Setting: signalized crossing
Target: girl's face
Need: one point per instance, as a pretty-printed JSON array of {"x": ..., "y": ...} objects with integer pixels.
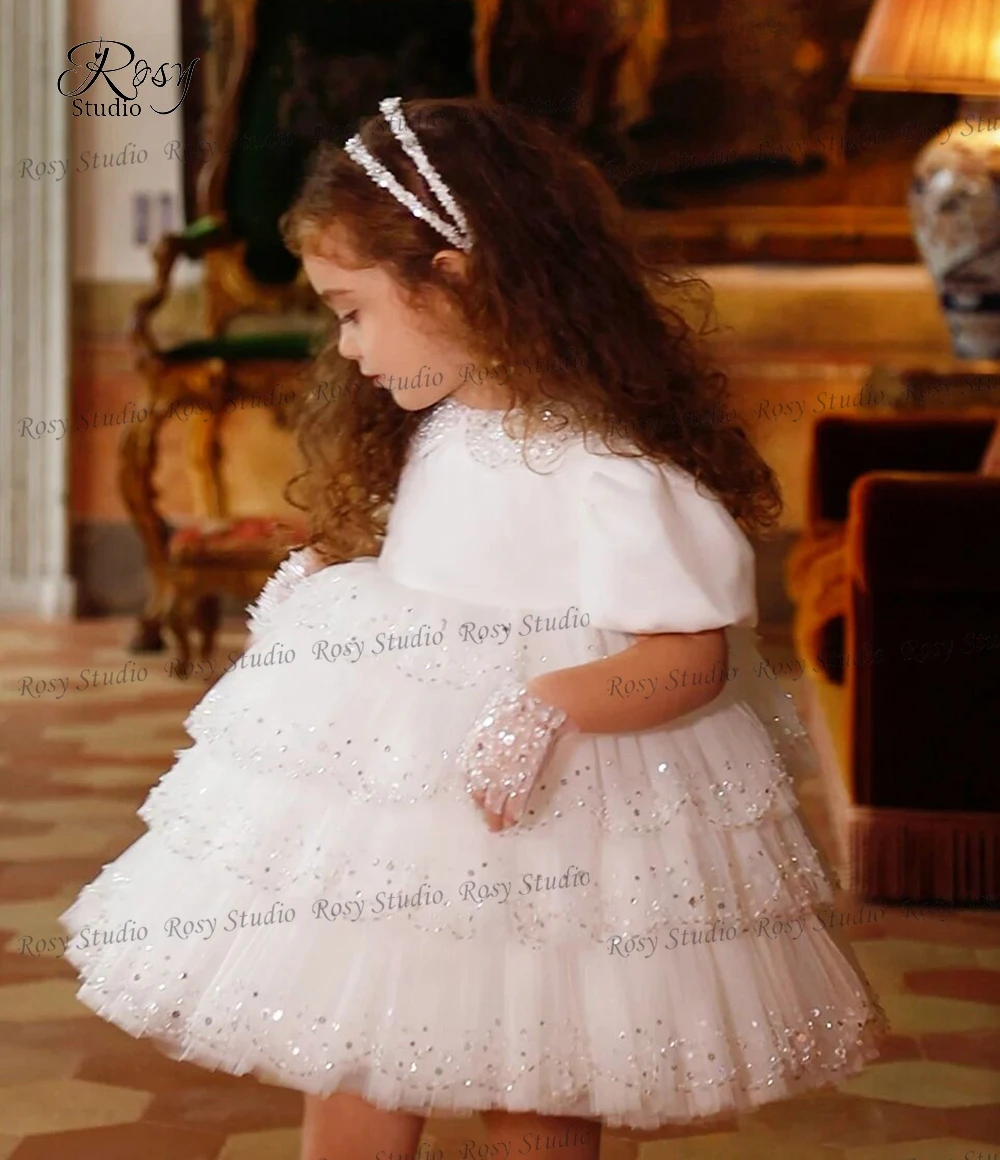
[{"x": 405, "y": 351}]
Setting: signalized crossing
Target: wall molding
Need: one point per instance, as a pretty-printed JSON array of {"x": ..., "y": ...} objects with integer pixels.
[{"x": 34, "y": 321}]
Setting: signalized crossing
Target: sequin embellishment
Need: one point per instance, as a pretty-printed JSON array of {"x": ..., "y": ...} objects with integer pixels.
[{"x": 487, "y": 440}]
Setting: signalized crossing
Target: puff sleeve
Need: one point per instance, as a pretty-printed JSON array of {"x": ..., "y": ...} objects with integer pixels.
[{"x": 659, "y": 555}]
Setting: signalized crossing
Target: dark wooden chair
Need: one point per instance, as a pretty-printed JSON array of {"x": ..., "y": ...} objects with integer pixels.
[{"x": 279, "y": 76}]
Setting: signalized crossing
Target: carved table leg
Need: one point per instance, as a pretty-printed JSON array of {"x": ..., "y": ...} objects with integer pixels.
[
  {"x": 147, "y": 637},
  {"x": 207, "y": 615},
  {"x": 136, "y": 466},
  {"x": 148, "y": 633},
  {"x": 179, "y": 618}
]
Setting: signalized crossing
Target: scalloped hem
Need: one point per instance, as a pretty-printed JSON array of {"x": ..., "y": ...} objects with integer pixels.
[{"x": 747, "y": 1099}]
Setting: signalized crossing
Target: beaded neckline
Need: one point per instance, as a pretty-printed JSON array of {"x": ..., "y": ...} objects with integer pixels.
[{"x": 486, "y": 438}]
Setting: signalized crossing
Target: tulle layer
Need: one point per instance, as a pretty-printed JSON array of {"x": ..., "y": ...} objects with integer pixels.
[
  {"x": 455, "y": 876},
  {"x": 351, "y": 646},
  {"x": 340, "y": 776},
  {"x": 633, "y": 1033},
  {"x": 318, "y": 901},
  {"x": 383, "y": 726}
]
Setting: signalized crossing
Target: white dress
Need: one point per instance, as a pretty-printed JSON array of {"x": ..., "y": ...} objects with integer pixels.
[{"x": 318, "y": 902}]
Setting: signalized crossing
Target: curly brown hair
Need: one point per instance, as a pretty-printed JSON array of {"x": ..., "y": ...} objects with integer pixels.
[{"x": 555, "y": 279}]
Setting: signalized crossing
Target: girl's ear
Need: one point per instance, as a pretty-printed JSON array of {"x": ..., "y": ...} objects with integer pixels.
[{"x": 452, "y": 263}]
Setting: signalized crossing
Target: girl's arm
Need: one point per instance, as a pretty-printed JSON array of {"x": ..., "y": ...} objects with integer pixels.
[
  {"x": 670, "y": 673},
  {"x": 643, "y": 686},
  {"x": 638, "y": 519}
]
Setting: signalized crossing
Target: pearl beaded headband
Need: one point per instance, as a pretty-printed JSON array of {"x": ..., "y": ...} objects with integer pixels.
[{"x": 393, "y": 113}]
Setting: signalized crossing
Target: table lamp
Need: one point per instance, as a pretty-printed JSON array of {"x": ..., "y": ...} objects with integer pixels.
[{"x": 949, "y": 46}]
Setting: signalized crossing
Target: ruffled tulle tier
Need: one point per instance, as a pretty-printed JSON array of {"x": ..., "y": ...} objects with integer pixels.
[
  {"x": 632, "y": 1032},
  {"x": 371, "y": 686},
  {"x": 468, "y": 882},
  {"x": 318, "y": 901}
]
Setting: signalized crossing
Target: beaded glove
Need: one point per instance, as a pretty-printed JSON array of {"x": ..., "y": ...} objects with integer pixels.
[
  {"x": 507, "y": 748},
  {"x": 291, "y": 572}
]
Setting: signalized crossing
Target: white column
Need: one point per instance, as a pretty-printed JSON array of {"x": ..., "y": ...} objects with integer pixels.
[{"x": 34, "y": 311}]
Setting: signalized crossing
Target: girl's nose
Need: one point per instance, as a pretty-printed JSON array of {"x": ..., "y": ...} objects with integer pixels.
[{"x": 348, "y": 347}]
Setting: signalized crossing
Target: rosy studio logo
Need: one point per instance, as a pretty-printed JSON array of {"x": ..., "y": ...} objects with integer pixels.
[{"x": 125, "y": 104}]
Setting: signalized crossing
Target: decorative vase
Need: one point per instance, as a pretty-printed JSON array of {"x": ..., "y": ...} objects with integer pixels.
[{"x": 954, "y": 202}]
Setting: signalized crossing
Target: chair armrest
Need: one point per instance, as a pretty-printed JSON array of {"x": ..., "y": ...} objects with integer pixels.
[
  {"x": 848, "y": 447},
  {"x": 194, "y": 241},
  {"x": 206, "y": 232},
  {"x": 922, "y": 532},
  {"x": 923, "y": 638}
]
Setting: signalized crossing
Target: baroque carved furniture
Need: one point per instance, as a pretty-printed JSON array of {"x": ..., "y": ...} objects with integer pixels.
[
  {"x": 279, "y": 75},
  {"x": 897, "y": 586},
  {"x": 191, "y": 565}
]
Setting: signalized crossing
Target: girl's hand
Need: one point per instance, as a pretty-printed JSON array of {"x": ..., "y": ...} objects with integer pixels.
[
  {"x": 309, "y": 560},
  {"x": 506, "y": 750},
  {"x": 292, "y": 571}
]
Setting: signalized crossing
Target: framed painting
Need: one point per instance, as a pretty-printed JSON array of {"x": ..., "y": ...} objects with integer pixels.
[{"x": 727, "y": 126}]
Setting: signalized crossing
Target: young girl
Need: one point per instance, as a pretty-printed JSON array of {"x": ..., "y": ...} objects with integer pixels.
[{"x": 495, "y": 814}]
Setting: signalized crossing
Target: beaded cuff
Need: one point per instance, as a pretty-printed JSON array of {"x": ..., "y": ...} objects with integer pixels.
[
  {"x": 291, "y": 572},
  {"x": 507, "y": 747}
]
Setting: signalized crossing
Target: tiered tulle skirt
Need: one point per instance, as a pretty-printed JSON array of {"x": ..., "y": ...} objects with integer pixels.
[{"x": 317, "y": 901}]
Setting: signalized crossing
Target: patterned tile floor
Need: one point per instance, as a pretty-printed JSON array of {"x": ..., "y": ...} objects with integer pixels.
[{"x": 76, "y": 761}]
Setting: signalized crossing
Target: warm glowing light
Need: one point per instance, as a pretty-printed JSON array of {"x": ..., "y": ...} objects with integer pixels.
[{"x": 930, "y": 46}]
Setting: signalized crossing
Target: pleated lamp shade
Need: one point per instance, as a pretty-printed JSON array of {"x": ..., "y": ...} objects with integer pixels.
[{"x": 930, "y": 46}]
